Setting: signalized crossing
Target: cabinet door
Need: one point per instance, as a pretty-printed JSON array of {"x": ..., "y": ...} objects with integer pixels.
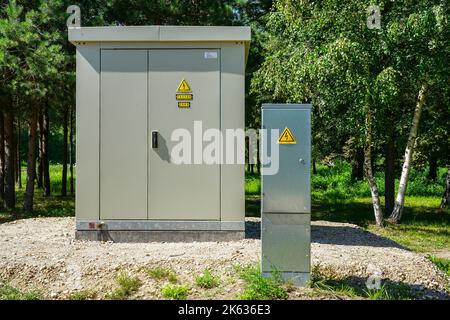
[
  {"x": 183, "y": 191},
  {"x": 288, "y": 190},
  {"x": 123, "y": 134}
]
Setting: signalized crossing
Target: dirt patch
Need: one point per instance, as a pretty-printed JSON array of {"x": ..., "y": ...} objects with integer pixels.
[{"x": 42, "y": 254}]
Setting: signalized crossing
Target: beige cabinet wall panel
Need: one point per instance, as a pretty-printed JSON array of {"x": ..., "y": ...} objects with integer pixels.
[
  {"x": 232, "y": 117},
  {"x": 87, "y": 129}
]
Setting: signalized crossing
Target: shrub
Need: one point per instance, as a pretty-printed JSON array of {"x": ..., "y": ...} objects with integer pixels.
[
  {"x": 175, "y": 292},
  {"x": 207, "y": 280}
]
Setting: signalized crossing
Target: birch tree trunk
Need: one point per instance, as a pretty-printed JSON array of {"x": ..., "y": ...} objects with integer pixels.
[
  {"x": 396, "y": 214},
  {"x": 369, "y": 172}
]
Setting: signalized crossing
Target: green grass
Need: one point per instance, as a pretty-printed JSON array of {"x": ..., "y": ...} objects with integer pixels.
[
  {"x": 324, "y": 281},
  {"x": 175, "y": 291},
  {"x": 82, "y": 295},
  {"x": 7, "y": 292},
  {"x": 53, "y": 206},
  {"x": 258, "y": 287},
  {"x": 252, "y": 184},
  {"x": 207, "y": 280},
  {"x": 423, "y": 228},
  {"x": 391, "y": 291},
  {"x": 160, "y": 273},
  {"x": 441, "y": 263},
  {"x": 127, "y": 286}
]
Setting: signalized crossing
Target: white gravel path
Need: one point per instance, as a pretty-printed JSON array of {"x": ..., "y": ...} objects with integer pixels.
[{"x": 42, "y": 253}]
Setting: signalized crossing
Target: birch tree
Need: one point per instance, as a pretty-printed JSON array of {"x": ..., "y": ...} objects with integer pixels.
[
  {"x": 425, "y": 60},
  {"x": 324, "y": 52}
]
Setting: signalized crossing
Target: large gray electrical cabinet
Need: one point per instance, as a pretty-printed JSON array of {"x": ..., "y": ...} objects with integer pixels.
[
  {"x": 286, "y": 201},
  {"x": 135, "y": 87}
]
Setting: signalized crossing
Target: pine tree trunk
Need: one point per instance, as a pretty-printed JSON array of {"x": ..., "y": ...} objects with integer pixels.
[
  {"x": 389, "y": 175},
  {"x": 15, "y": 154},
  {"x": 446, "y": 196},
  {"x": 71, "y": 153},
  {"x": 2, "y": 159},
  {"x": 64, "y": 169},
  {"x": 369, "y": 172},
  {"x": 45, "y": 155},
  {"x": 31, "y": 162},
  {"x": 19, "y": 158},
  {"x": 396, "y": 214},
  {"x": 10, "y": 192},
  {"x": 40, "y": 171}
]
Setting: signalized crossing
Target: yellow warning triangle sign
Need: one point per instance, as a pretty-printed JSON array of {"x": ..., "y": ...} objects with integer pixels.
[
  {"x": 184, "y": 87},
  {"x": 286, "y": 137}
]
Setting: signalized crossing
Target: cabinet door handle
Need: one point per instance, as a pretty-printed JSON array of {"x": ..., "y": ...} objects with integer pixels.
[{"x": 154, "y": 139}]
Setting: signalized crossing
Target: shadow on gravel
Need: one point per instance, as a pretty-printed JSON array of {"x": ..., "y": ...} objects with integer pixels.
[
  {"x": 344, "y": 235},
  {"x": 252, "y": 230},
  {"x": 341, "y": 235}
]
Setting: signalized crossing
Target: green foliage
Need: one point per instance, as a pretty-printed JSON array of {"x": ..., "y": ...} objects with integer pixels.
[
  {"x": 441, "y": 263},
  {"x": 82, "y": 295},
  {"x": 175, "y": 291},
  {"x": 31, "y": 53},
  {"x": 207, "y": 280},
  {"x": 7, "y": 292},
  {"x": 127, "y": 286},
  {"x": 159, "y": 273},
  {"x": 258, "y": 287}
]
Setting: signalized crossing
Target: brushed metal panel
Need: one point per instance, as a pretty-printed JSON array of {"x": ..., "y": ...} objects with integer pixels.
[
  {"x": 289, "y": 189},
  {"x": 285, "y": 242},
  {"x": 185, "y": 191},
  {"x": 123, "y": 132}
]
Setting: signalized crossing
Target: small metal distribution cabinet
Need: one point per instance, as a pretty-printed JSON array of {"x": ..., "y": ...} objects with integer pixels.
[
  {"x": 135, "y": 87},
  {"x": 286, "y": 200}
]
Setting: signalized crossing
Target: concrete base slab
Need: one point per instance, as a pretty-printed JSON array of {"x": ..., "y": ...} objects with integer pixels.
[
  {"x": 298, "y": 279},
  {"x": 159, "y": 236}
]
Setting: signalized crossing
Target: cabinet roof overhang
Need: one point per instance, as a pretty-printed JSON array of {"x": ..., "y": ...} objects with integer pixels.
[
  {"x": 159, "y": 34},
  {"x": 141, "y": 34}
]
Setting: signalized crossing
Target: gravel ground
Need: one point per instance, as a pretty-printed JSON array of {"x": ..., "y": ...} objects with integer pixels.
[{"x": 42, "y": 254}]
